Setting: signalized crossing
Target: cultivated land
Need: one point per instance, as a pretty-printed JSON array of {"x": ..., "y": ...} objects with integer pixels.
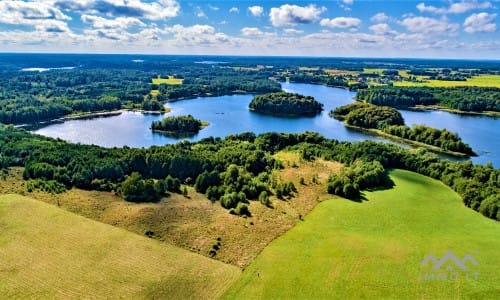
[
  {"x": 170, "y": 80},
  {"x": 374, "y": 249},
  {"x": 49, "y": 253},
  {"x": 480, "y": 81}
]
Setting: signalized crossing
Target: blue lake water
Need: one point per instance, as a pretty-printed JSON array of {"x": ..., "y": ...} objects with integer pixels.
[{"x": 230, "y": 115}]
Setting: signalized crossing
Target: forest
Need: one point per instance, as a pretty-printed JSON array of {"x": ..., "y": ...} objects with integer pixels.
[
  {"x": 285, "y": 104},
  {"x": 233, "y": 170},
  {"x": 390, "y": 121},
  {"x": 178, "y": 125},
  {"x": 473, "y": 99}
]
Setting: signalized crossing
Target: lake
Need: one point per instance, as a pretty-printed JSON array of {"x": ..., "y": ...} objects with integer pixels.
[{"x": 230, "y": 115}]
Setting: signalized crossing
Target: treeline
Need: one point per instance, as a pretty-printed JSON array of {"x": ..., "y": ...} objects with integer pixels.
[
  {"x": 390, "y": 121},
  {"x": 28, "y": 97},
  {"x": 476, "y": 99},
  {"x": 286, "y": 104},
  {"x": 177, "y": 125},
  {"x": 235, "y": 169},
  {"x": 368, "y": 116}
]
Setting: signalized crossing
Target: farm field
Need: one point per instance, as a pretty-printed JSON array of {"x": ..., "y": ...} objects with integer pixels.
[
  {"x": 170, "y": 80},
  {"x": 479, "y": 81},
  {"x": 375, "y": 249},
  {"x": 49, "y": 253}
]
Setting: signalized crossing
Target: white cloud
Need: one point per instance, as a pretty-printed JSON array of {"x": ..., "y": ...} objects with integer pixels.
[
  {"x": 382, "y": 29},
  {"x": 118, "y": 23},
  {"x": 348, "y": 2},
  {"x": 197, "y": 35},
  {"x": 341, "y": 22},
  {"x": 430, "y": 26},
  {"x": 41, "y": 15},
  {"x": 199, "y": 12},
  {"x": 379, "y": 18},
  {"x": 256, "y": 10},
  {"x": 481, "y": 22},
  {"x": 156, "y": 10},
  {"x": 213, "y": 7},
  {"x": 293, "y": 14},
  {"x": 254, "y": 31},
  {"x": 454, "y": 8},
  {"x": 292, "y": 31},
  {"x": 234, "y": 10}
]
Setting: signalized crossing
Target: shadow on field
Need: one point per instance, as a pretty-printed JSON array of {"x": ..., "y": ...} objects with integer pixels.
[{"x": 388, "y": 184}]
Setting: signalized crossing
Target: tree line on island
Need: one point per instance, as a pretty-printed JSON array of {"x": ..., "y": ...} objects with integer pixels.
[
  {"x": 390, "y": 121},
  {"x": 233, "y": 170},
  {"x": 178, "y": 125},
  {"x": 285, "y": 104}
]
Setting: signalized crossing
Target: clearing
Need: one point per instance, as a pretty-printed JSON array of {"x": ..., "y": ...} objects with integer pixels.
[
  {"x": 375, "y": 249},
  {"x": 479, "y": 81},
  {"x": 170, "y": 80},
  {"x": 195, "y": 223},
  {"x": 49, "y": 253}
]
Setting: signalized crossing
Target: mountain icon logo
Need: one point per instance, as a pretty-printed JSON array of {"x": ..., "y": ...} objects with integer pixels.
[{"x": 449, "y": 257}]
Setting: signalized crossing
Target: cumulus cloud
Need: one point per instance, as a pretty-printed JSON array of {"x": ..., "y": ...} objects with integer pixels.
[
  {"x": 292, "y": 14},
  {"x": 256, "y": 10},
  {"x": 348, "y": 2},
  {"x": 379, "y": 18},
  {"x": 454, "y": 8},
  {"x": 291, "y": 31},
  {"x": 341, "y": 22},
  {"x": 40, "y": 15},
  {"x": 481, "y": 22},
  {"x": 197, "y": 35},
  {"x": 234, "y": 10},
  {"x": 118, "y": 23},
  {"x": 430, "y": 26},
  {"x": 254, "y": 31},
  {"x": 382, "y": 29},
  {"x": 157, "y": 10}
]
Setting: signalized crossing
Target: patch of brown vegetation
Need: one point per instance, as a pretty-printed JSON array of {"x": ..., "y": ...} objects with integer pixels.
[{"x": 194, "y": 222}]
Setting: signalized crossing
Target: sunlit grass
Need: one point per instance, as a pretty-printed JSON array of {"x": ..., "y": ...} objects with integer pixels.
[
  {"x": 374, "y": 249},
  {"x": 170, "y": 80}
]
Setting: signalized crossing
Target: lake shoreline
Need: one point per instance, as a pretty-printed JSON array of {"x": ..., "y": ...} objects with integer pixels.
[
  {"x": 431, "y": 148},
  {"x": 493, "y": 114}
]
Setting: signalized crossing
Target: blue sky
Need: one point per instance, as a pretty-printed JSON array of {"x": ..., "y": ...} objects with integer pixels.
[{"x": 347, "y": 28}]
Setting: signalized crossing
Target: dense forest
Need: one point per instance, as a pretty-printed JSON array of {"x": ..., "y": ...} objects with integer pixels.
[
  {"x": 474, "y": 99},
  {"x": 390, "y": 121},
  {"x": 285, "y": 104},
  {"x": 233, "y": 170},
  {"x": 178, "y": 125},
  {"x": 30, "y": 96}
]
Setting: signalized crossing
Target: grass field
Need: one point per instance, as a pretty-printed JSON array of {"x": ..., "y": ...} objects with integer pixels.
[
  {"x": 375, "y": 249},
  {"x": 480, "y": 81},
  {"x": 170, "y": 80},
  {"x": 48, "y": 253}
]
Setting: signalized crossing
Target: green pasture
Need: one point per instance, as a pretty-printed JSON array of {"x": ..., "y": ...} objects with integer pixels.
[{"x": 375, "y": 249}]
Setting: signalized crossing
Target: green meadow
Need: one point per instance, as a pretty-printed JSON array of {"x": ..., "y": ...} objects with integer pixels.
[
  {"x": 375, "y": 249},
  {"x": 49, "y": 253}
]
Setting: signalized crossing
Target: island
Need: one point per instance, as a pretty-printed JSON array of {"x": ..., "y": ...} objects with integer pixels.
[
  {"x": 285, "y": 104},
  {"x": 388, "y": 122},
  {"x": 178, "y": 126}
]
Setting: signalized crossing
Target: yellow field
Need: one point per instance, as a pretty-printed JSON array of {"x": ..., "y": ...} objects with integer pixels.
[
  {"x": 480, "y": 81},
  {"x": 334, "y": 72},
  {"x": 170, "y": 80},
  {"x": 155, "y": 92},
  {"x": 373, "y": 71},
  {"x": 49, "y": 253}
]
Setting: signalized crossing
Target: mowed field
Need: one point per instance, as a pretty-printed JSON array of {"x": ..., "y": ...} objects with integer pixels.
[
  {"x": 170, "y": 80},
  {"x": 375, "y": 249},
  {"x": 479, "y": 81},
  {"x": 49, "y": 253}
]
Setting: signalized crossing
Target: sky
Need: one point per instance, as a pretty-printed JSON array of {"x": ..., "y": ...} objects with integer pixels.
[{"x": 335, "y": 28}]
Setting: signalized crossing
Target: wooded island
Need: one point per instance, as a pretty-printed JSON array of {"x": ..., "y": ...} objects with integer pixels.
[{"x": 286, "y": 104}]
